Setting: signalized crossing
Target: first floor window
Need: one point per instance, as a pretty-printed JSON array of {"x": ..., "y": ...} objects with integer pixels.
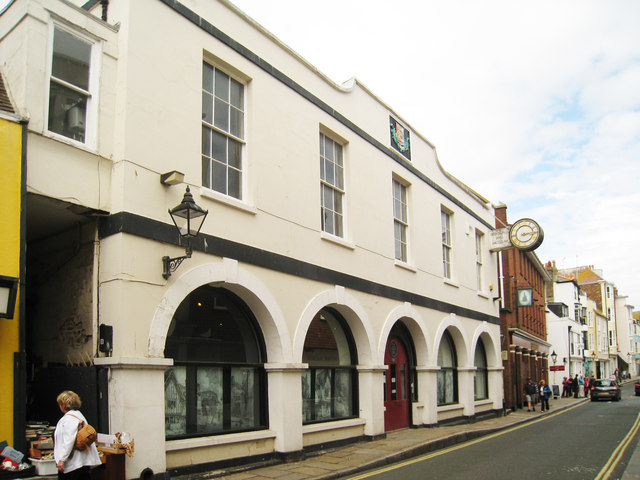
[
  {"x": 70, "y": 85},
  {"x": 480, "y": 380},
  {"x": 479, "y": 261},
  {"x": 445, "y": 220},
  {"x": 223, "y": 117},
  {"x": 448, "y": 373},
  {"x": 331, "y": 186},
  {"x": 218, "y": 381},
  {"x": 400, "y": 220},
  {"x": 329, "y": 385}
]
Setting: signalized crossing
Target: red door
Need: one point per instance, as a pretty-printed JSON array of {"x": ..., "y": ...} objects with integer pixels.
[{"x": 396, "y": 388}]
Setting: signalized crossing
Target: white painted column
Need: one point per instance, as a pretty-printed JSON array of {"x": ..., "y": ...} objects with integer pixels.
[
  {"x": 465, "y": 390},
  {"x": 496, "y": 388},
  {"x": 371, "y": 399},
  {"x": 285, "y": 404},
  {"x": 428, "y": 393},
  {"x": 136, "y": 406}
]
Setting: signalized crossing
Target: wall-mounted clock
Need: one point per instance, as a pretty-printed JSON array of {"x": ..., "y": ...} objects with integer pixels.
[{"x": 526, "y": 235}]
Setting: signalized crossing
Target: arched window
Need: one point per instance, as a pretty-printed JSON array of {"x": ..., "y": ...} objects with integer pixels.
[
  {"x": 448, "y": 373},
  {"x": 329, "y": 385},
  {"x": 217, "y": 383},
  {"x": 480, "y": 381}
]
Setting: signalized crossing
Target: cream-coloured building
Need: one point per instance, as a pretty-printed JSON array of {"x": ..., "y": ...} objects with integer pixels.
[{"x": 341, "y": 285}]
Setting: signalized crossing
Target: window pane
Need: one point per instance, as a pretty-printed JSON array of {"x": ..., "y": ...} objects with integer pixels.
[
  {"x": 343, "y": 393},
  {"x": 328, "y": 148},
  {"x": 237, "y": 94},
  {"x": 206, "y": 141},
  {"x": 235, "y": 154},
  {"x": 209, "y": 399},
  {"x": 237, "y": 123},
  {"x": 245, "y": 409},
  {"x": 222, "y": 86},
  {"x": 221, "y": 115},
  {"x": 207, "y": 77},
  {"x": 339, "y": 178},
  {"x": 175, "y": 405},
  {"x": 329, "y": 172},
  {"x": 327, "y": 221},
  {"x": 307, "y": 399},
  {"x": 219, "y": 147},
  {"x": 338, "y": 225},
  {"x": 328, "y": 197},
  {"x": 206, "y": 172},
  {"x": 207, "y": 107},
  {"x": 71, "y": 59},
  {"x": 219, "y": 177},
  {"x": 235, "y": 183},
  {"x": 323, "y": 394},
  {"x": 67, "y": 112}
]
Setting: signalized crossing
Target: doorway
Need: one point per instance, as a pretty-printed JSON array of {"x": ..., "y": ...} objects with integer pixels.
[{"x": 397, "y": 395}]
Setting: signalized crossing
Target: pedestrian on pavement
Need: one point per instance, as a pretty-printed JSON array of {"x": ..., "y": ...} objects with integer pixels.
[
  {"x": 581, "y": 385},
  {"x": 586, "y": 386},
  {"x": 574, "y": 386},
  {"x": 545, "y": 393},
  {"x": 530, "y": 392},
  {"x": 72, "y": 464},
  {"x": 565, "y": 387}
]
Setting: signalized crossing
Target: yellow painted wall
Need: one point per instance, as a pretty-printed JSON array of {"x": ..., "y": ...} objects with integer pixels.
[{"x": 10, "y": 185}]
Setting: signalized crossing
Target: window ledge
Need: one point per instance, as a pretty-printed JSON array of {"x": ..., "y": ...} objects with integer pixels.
[
  {"x": 70, "y": 141},
  {"x": 483, "y": 295},
  {"x": 448, "y": 281},
  {"x": 226, "y": 200},
  {"x": 321, "y": 427},
  {"x": 406, "y": 266},
  {"x": 450, "y": 408},
  {"x": 483, "y": 401},
  {"x": 212, "y": 441},
  {"x": 337, "y": 240}
]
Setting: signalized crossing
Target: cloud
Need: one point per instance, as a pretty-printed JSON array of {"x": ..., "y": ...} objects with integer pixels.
[{"x": 533, "y": 104}]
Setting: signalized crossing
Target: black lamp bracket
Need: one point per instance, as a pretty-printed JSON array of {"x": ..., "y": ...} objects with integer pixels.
[{"x": 170, "y": 265}]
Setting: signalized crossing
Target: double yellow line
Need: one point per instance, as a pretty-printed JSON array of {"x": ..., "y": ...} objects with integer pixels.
[
  {"x": 615, "y": 457},
  {"x": 603, "y": 475}
]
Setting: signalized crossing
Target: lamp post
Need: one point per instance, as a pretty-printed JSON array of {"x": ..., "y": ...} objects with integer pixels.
[
  {"x": 554, "y": 357},
  {"x": 188, "y": 218}
]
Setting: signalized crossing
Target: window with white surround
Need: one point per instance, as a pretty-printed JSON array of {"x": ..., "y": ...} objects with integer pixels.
[
  {"x": 223, "y": 117},
  {"x": 447, "y": 246},
  {"x": 72, "y": 86},
  {"x": 400, "y": 220},
  {"x": 331, "y": 186},
  {"x": 479, "y": 260}
]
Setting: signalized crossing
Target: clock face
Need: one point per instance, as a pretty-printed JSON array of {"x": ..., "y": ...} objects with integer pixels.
[{"x": 526, "y": 234}]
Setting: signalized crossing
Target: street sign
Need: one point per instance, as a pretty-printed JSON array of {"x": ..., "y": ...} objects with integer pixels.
[{"x": 556, "y": 368}]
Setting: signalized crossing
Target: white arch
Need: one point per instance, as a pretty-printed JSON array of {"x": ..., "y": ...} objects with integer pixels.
[
  {"x": 249, "y": 288},
  {"x": 416, "y": 326},
  {"x": 491, "y": 344},
  {"x": 457, "y": 331},
  {"x": 353, "y": 313}
]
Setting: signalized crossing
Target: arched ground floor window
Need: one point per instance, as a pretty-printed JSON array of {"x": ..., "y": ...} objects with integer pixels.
[
  {"x": 329, "y": 385},
  {"x": 218, "y": 382},
  {"x": 448, "y": 373},
  {"x": 480, "y": 379}
]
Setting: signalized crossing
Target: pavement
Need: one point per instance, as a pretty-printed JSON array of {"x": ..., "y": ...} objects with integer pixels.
[{"x": 398, "y": 445}]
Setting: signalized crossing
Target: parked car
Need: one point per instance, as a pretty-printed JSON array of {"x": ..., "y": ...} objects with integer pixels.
[
  {"x": 605, "y": 388},
  {"x": 638, "y": 388}
]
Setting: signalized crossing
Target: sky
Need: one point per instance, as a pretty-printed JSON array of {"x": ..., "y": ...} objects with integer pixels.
[{"x": 532, "y": 104}]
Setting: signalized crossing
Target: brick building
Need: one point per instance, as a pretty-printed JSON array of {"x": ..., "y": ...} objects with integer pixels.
[{"x": 525, "y": 349}]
